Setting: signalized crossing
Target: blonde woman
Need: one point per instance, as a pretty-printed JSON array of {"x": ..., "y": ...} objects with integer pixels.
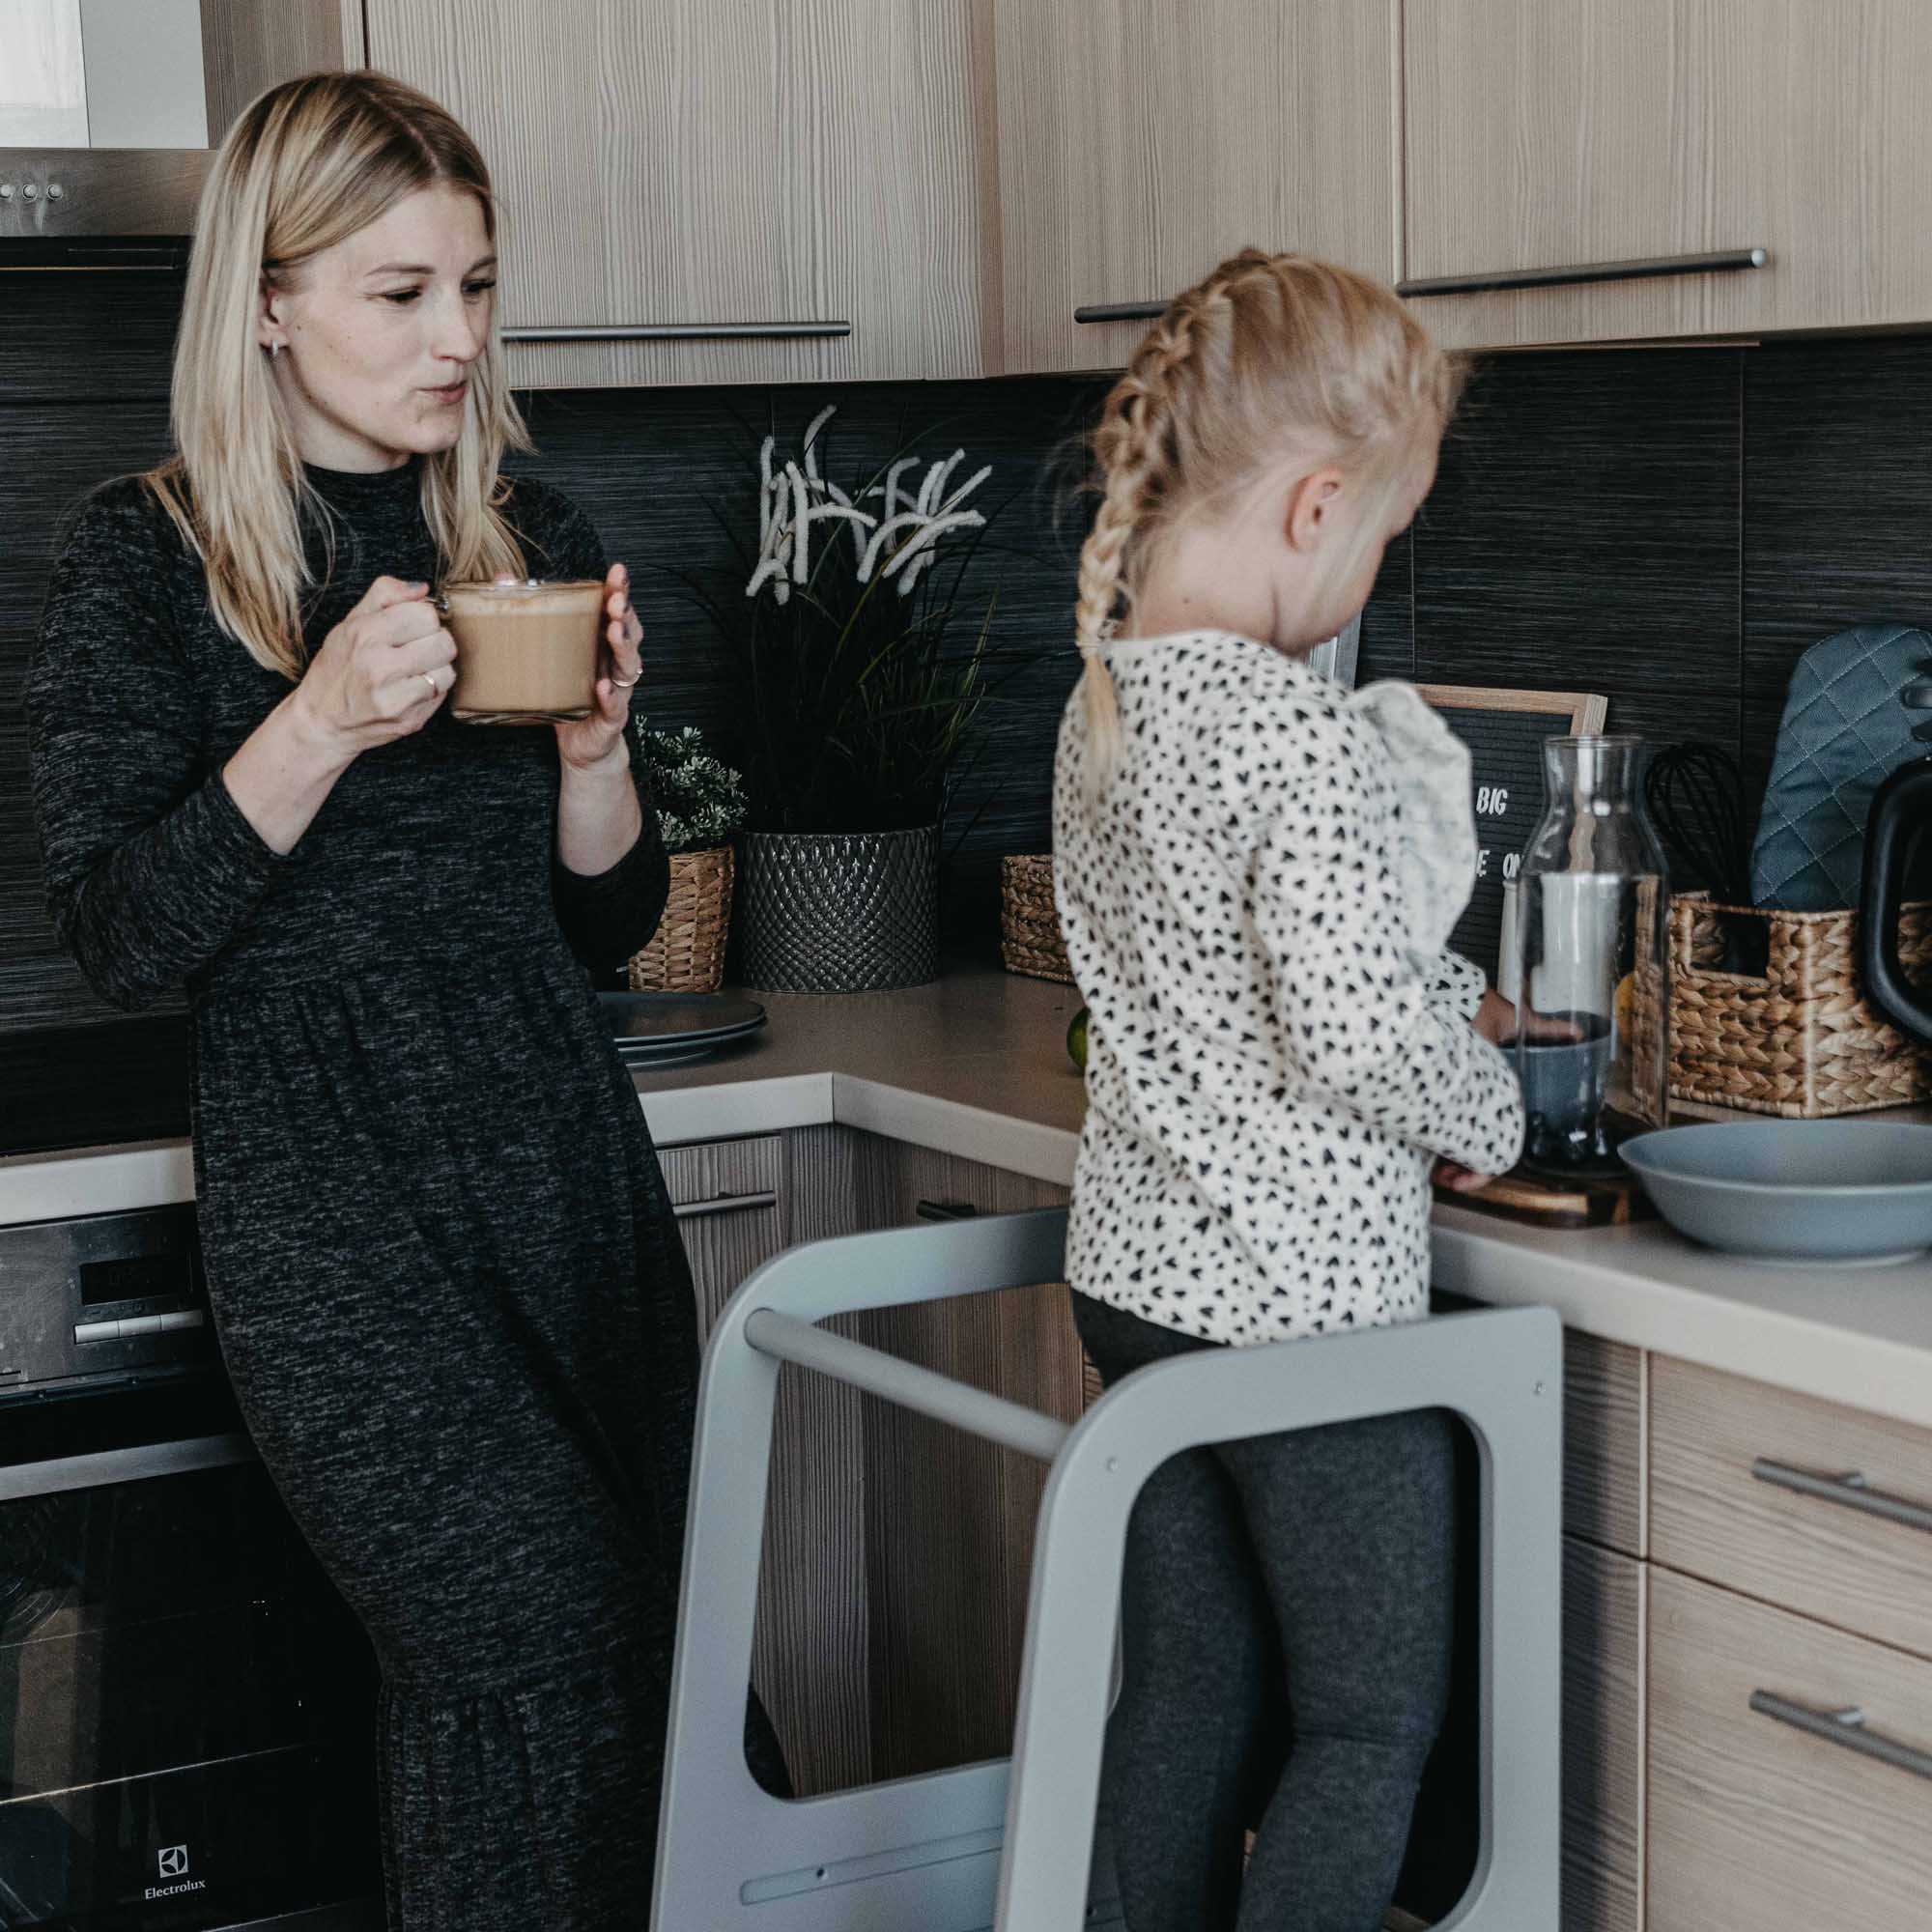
[
  {"x": 443, "y": 1267},
  {"x": 1258, "y": 872}
]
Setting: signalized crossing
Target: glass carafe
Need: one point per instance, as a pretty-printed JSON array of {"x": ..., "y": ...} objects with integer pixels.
[{"x": 1592, "y": 936}]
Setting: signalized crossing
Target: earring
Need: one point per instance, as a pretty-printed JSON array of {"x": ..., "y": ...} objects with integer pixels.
[{"x": 274, "y": 350}]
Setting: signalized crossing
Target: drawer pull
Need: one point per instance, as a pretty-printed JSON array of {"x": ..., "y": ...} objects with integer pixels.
[
  {"x": 725, "y": 1204},
  {"x": 673, "y": 331},
  {"x": 1122, "y": 312},
  {"x": 1642, "y": 268},
  {"x": 1849, "y": 1489},
  {"x": 1846, "y": 1729},
  {"x": 945, "y": 1210}
]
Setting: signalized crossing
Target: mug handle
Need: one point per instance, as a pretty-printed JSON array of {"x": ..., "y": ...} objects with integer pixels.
[{"x": 1902, "y": 813}]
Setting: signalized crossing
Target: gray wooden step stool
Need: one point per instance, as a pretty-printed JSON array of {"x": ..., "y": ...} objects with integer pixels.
[{"x": 1010, "y": 1846}]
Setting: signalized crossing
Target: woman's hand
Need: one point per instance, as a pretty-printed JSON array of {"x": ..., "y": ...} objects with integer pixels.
[
  {"x": 380, "y": 673},
  {"x": 585, "y": 743}
]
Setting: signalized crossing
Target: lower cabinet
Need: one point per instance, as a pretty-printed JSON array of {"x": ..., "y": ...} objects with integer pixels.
[{"x": 1604, "y": 1616}]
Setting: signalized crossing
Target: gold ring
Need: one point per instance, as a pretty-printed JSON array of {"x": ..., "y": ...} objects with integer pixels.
[
  {"x": 435, "y": 688},
  {"x": 624, "y": 683}
]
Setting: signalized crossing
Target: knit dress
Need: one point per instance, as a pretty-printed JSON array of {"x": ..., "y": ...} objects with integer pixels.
[{"x": 441, "y": 1263}]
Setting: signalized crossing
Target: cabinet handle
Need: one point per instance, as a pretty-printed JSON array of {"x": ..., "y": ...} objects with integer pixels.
[
  {"x": 124, "y": 1466},
  {"x": 945, "y": 1210},
  {"x": 1845, "y": 1728},
  {"x": 673, "y": 331},
  {"x": 1849, "y": 1489},
  {"x": 1120, "y": 312},
  {"x": 1643, "y": 268},
  {"x": 725, "y": 1204}
]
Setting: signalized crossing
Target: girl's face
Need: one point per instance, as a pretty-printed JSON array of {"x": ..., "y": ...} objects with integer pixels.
[{"x": 379, "y": 334}]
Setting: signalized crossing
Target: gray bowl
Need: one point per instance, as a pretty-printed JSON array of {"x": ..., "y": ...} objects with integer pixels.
[{"x": 1822, "y": 1193}]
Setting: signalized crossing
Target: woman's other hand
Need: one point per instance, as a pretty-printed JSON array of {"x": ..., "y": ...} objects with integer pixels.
[
  {"x": 381, "y": 672},
  {"x": 585, "y": 743}
]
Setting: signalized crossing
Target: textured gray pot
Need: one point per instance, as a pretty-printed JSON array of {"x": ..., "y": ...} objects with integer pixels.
[{"x": 838, "y": 912}]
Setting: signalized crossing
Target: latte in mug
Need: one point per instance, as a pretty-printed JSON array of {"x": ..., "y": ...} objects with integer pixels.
[{"x": 527, "y": 653}]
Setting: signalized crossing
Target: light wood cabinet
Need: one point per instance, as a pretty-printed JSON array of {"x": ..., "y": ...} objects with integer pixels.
[
  {"x": 1140, "y": 142},
  {"x": 1557, "y": 133},
  {"x": 692, "y": 163},
  {"x": 1604, "y": 1607},
  {"x": 1603, "y": 1487},
  {"x": 1757, "y": 1823}
]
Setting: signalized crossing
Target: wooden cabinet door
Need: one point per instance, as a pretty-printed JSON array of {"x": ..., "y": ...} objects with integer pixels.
[
  {"x": 1141, "y": 141},
  {"x": 704, "y": 162},
  {"x": 1604, "y": 1616},
  {"x": 1558, "y": 135}
]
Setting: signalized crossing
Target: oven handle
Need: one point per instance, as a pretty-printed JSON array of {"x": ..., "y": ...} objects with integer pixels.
[{"x": 123, "y": 1465}]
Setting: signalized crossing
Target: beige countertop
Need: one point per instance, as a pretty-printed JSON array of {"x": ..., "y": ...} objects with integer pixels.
[{"x": 975, "y": 1065}]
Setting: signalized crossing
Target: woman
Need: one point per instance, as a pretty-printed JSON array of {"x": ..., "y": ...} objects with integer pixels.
[{"x": 442, "y": 1261}]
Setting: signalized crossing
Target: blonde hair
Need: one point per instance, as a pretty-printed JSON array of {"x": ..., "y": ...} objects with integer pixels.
[
  {"x": 306, "y": 165},
  {"x": 1271, "y": 356}
]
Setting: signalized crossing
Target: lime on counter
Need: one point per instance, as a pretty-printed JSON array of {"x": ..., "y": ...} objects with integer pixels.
[{"x": 1076, "y": 1041}]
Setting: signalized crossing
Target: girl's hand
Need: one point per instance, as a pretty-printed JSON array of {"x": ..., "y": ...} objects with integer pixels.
[
  {"x": 1459, "y": 1179},
  {"x": 1495, "y": 1018},
  {"x": 380, "y": 673},
  {"x": 586, "y": 742}
]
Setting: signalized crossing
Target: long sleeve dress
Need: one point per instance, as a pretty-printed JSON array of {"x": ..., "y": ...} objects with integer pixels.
[{"x": 443, "y": 1271}]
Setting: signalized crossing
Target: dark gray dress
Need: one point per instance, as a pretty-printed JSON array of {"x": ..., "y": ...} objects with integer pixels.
[{"x": 443, "y": 1271}]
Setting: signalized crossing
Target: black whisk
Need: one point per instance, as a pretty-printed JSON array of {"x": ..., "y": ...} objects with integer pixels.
[{"x": 1696, "y": 795}]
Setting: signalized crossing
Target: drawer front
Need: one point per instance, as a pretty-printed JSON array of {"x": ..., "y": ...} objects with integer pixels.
[
  {"x": 704, "y": 1173},
  {"x": 1602, "y": 1442},
  {"x": 1604, "y": 1610},
  {"x": 1756, "y": 1823},
  {"x": 1724, "y": 1453}
]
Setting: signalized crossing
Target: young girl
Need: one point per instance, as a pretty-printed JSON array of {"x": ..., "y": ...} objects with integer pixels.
[{"x": 1258, "y": 872}]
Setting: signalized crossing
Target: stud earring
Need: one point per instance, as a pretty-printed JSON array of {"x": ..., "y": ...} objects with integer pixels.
[{"x": 274, "y": 350}]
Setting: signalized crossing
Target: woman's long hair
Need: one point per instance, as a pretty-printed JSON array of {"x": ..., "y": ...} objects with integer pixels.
[{"x": 306, "y": 165}]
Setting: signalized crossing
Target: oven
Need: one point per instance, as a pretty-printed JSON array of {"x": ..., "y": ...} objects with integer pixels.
[{"x": 187, "y": 1708}]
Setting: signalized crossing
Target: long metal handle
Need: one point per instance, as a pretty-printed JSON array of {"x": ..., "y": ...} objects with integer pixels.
[
  {"x": 905, "y": 1384},
  {"x": 1848, "y": 1490},
  {"x": 1846, "y": 1729},
  {"x": 123, "y": 1465},
  {"x": 1643, "y": 268},
  {"x": 676, "y": 331},
  {"x": 724, "y": 1204},
  {"x": 945, "y": 1210},
  {"x": 1121, "y": 311}
]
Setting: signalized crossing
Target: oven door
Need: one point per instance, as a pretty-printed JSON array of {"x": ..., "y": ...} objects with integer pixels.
[{"x": 186, "y": 1706}]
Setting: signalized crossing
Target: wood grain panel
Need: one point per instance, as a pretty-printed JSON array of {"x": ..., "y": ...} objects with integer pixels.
[
  {"x": 1710, "y": 1518},
  {"x": 1604, "y": 1640},
  {"x": 1121, "y": 179},
  {"x": 950, "y": 1517},
  {"x": 1602, "y": 1442},
  {"x": 809, "y": 1642},
  {"x": 1755, "y": 1825},
  {"x": 246, "y": 46},
  {"x": 687, "y": 162}
]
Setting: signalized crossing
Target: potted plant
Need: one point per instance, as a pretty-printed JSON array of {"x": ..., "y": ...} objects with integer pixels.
[
  {"x": 701, "y": 803},
  {"x": 857, "y": 691}
]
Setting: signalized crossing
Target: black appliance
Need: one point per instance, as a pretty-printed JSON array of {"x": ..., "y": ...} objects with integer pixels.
[{"x": 187, "y": 1708}]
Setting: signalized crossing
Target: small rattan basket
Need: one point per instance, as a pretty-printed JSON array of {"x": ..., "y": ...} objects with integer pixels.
[
  {"x": 1799, "y": 1041},
  {"x": 1030, "y": 940},
  {"x": 687, "y": 952}
]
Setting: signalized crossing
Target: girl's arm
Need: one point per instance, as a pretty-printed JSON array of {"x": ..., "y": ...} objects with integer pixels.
[{"x": 1359, "y": 1021}]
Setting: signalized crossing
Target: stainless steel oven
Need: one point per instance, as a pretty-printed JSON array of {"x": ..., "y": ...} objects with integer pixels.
[{"x": 186, "y": 1706}]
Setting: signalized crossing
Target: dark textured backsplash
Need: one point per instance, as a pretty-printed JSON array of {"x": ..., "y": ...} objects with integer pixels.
[{"x": 1672, "y": 528}]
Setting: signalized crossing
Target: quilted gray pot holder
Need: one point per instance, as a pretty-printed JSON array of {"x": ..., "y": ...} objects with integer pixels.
[{"x": 1855, "y": 701}]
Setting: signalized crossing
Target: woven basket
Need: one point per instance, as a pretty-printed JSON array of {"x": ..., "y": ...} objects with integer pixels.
[
  {"x": 1800, "y": 1041},
  {"x": 687, "y": 952},
  {"x": 1030, "y": 940}
]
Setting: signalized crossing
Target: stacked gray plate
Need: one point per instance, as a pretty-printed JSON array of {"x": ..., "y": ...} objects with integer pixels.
[
  {"x": 655, "y": 1030},
  {"x": 1817, "y": 1193}
]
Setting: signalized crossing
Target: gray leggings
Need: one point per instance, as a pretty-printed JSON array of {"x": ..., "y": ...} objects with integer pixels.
[{"x": 1288, "y": 1623}]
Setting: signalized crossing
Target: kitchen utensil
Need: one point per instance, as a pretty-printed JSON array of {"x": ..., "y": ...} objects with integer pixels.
[
  {"x": 1695, "y": 792},
  {"x": 1901, "y": 815},
  {"x": 1857, "y": 711},
  {"x": 1592, "y": 941},
  {"x": 1824, "y": 1193}
]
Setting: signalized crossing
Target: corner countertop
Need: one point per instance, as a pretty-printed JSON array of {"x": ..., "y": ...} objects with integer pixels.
[{"x": 975, "y": 1065}]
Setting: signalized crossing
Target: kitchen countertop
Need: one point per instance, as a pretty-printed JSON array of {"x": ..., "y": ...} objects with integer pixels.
[{"x": 974, "y": 1065}]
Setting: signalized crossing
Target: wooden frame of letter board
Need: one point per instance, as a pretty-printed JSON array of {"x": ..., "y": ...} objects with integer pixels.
[{"x": 1509, "y": 726}]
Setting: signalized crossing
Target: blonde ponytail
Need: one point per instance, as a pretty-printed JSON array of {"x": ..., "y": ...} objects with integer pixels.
[{"x": 1270, "y": 357}]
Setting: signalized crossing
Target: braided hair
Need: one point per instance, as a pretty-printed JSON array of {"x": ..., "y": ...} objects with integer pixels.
[{"x": 1271, "y": 356}]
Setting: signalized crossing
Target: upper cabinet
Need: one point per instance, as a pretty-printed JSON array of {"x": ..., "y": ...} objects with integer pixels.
[
  {"x": 1574, "y": 136},
  {"x": 701, "y": 192},
  {"x": 1139, "y": 142}
]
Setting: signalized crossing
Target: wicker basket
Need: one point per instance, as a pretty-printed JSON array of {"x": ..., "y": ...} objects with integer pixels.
[
  {"x": 1030, "y": 940},
  {"x": 687, "y": 952},
  {"x": 1800, "y": 1041}
]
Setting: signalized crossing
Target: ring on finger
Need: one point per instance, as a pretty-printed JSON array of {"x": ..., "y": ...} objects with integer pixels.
[
  {"x": 625, "y": 683},
  {"x": 435, "y": 688}
]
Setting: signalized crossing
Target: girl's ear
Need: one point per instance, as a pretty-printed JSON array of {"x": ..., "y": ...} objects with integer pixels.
[{"x": 1312, "y": 508}]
